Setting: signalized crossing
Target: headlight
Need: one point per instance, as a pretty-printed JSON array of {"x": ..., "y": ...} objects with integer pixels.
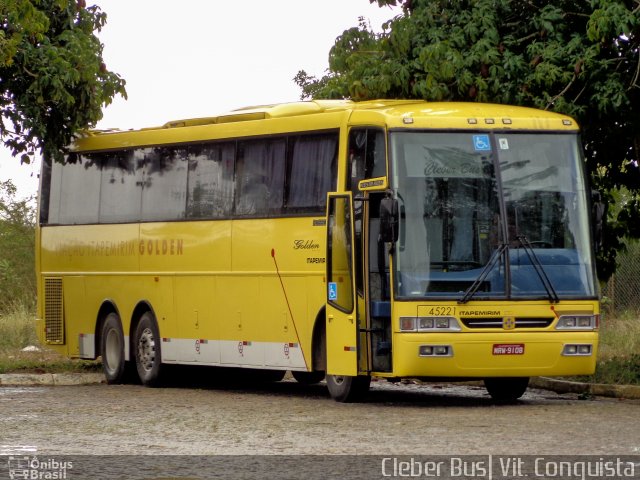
[
  {"x": 429, "y": 324},
  {"x": 425, "y": 323},
  {"x": 577, "y": 322}
]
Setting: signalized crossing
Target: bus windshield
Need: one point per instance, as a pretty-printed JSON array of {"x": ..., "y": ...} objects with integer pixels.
[{"x": 491, "y": 215}]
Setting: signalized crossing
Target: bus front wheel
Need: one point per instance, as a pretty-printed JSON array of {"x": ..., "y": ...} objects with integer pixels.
[
  {"x": 506, "y": 390},
  {"x": 147, "y": 350},
  {"x": 112, "y": 349},
  {"x": 347, "y": 389}
]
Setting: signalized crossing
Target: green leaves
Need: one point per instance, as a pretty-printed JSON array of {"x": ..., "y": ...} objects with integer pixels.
[
  {"x": 580, "y": 57},
  {"x": 611, "y": 19},
  {"x": 53, "y": 82}
]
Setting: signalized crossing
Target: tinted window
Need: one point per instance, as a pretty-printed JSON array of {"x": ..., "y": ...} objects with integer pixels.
[
  {"x": 79, "y": 190},
  {"x": 367, "y": 155},
  {"x": 312, "y": 172},
  {"x": 55, "y": 180},
  {"x": 272, "y": 176},
  {"x": 260, "y": 177},
  {"x": 164, "y": 193},
  {"x": 121, "y": 186},
  {"x": 45, "y": 190},
  {"x": 210, "y": 184}
]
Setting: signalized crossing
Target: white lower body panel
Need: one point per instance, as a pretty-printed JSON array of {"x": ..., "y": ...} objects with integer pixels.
[{"x": 233, "y": 353}]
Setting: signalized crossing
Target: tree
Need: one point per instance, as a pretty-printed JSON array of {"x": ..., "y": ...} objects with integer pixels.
[
  {"x": 578, "y": 57},
  {"x": 17, "y": 230},
  {"x": 53, "y": 81}
]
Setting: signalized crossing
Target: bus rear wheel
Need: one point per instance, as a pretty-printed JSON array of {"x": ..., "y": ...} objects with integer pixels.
[
  {"x": 112, "y": 349},
  {"x": 506, "y": 390},
  {"x": 347, "y": 389},
  {"x": 147, "y": 350}
]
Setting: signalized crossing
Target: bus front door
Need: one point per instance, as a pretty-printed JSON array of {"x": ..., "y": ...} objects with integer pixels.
[{"x": 342, "y": 305}]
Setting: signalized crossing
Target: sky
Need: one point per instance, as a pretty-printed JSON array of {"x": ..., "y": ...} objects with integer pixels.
[{"x": 199, "y": 58}]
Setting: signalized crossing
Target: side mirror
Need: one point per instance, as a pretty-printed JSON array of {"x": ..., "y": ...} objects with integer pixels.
[{"x": 389, "y": 219}]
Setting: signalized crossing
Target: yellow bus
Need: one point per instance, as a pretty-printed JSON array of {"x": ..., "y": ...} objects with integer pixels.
[{"x": 337, "y": 240}]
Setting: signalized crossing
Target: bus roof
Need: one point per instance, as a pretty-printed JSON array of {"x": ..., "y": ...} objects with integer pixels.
[{"x": 392, "y": 113}]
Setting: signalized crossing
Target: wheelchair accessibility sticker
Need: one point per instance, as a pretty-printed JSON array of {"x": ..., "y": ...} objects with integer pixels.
[
  {"x": 481, "y": 143},
  {"x": 333, "y": 291}
]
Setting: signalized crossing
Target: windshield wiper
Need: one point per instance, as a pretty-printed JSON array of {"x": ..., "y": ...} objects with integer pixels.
[
  {"x": 533, "y": 258},
  {"x": 471, "y": 291}
]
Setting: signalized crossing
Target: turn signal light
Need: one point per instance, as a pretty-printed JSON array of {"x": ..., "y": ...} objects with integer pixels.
[{"x": 429, "y": 324}]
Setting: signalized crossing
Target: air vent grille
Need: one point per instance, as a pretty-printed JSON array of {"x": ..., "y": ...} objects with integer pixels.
[{"x": 53, "y": 311}]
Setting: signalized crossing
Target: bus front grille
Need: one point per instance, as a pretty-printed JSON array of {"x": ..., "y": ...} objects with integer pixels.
[
  {"x": 53, "y": 311},
  {"x": 497, "y": 322}
]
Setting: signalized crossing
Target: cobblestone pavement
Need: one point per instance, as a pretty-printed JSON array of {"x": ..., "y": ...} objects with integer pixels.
[{"x": 289, "y": 418}]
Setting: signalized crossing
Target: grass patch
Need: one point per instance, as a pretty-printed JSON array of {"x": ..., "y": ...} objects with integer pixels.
[
  {"x": 44, "y": 361},
  {"x": 619, "y": 351},
  {"x": 17, "y": 331},
  {"x": 618, "y": 370},
  {"x": 620, "y": 336}
]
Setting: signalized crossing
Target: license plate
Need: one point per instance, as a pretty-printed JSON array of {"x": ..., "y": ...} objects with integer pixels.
[{"x": 508, "y": 349}]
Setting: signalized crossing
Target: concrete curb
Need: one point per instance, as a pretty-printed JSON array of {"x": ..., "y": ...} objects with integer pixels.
[
  {"x": 598, "y": 389},
  {"x": 49, "y": 379}
]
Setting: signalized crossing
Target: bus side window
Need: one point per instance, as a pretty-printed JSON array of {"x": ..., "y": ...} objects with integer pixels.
[
  {"x": 376, "y": 165},
  {"x": 164, "y": 191},
  {"x": 378, "y": 257},
  {"x": 121, "y": 186},
  {"x": 260, "y": 170},
  {"x": 367, "y": 159},
  {"x": 366, "y": 155},
  {"x": 210, "y": 184},
  {"x": 311, "y": 172}
]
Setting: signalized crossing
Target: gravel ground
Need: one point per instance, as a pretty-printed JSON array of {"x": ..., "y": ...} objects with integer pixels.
[{"x": 289, "y": 419}]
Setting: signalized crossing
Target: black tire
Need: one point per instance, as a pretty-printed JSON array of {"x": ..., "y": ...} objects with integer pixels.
[
  {"x": 347, "y": 389},
  {"x": 147, "y": 350},
  {"x": 308, "y": 378},
  {"x": 112, "y": 349},
  {"x": 506, "y": 390}
]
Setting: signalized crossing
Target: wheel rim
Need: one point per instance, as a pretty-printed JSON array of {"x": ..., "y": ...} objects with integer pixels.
[
  {"x": 112, "y": 351},
  {"x": 147, "y": 349},
  {"x": 338, "y": 380}
]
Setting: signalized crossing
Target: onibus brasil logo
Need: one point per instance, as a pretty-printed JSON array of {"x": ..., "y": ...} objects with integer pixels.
[{"x": 33, "y": 468}]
